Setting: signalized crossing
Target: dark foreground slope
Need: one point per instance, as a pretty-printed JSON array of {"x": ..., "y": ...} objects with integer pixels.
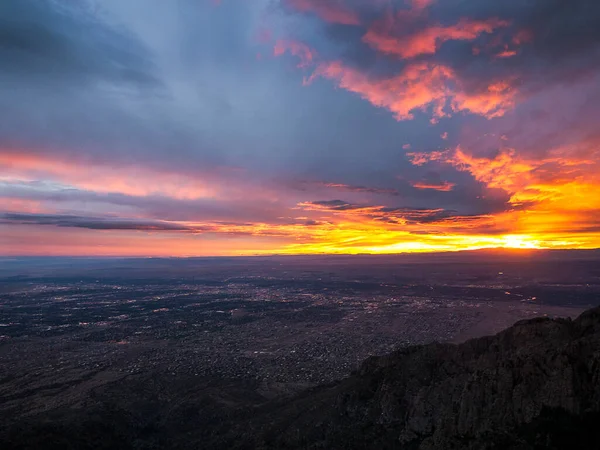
[{"x": 535, "y": 385}]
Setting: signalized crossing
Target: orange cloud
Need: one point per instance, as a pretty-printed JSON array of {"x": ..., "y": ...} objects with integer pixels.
[
  {"x": 517, "y": 175},
  {"x": 505, "y": 171},
  {"x": 444, "y": 186},
  {"x": 421, "y": 158},
  {"x": 425, "y": 41},
  {"x": 555, "y": 200},
  {"x": 384, "y": 230},
  {"x": 332, "y": 11},
  {"x": 564, "y": 220},
  {"x": 418, "y": 87},
  {"x": 495, "y": 101},
  {"x": 408, "y": 34},
  {"x": 381, "y": 230},
  {"x": 506, "y": 53}
]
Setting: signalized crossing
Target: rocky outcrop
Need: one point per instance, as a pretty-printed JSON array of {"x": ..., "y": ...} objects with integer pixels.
[{"x": 533, "y": 385}]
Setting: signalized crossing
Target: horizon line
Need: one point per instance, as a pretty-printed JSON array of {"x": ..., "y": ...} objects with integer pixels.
[{"x": 269, "y": 255}]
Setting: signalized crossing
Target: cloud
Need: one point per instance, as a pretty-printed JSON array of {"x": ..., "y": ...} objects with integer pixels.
[
  {"x": 304, "y": 185},
  {"x": 390, "y": 214},
  {"x": 106, "y": 177},
  {"x": 444, "y": 186},
  {"x": 420, "y": 87},
  {"x": 302, "y": 51},
  {"x": 333, "y": 11},
  {"x": 54, "y": 39},
  {"x": 553, "y": 194},
  {"x": 108, "y": 223},
  {"x": 361, "y": 189},
  {"x": 51, "y": 197},
  {"x": 108, "y": 82},
  {"x": 119, "y": 117},
  {"x": 421, "y": 158},
  {"x": 389, "y": 35},
  {"x": 92, "y": 223},
  {"x": 474, "y": 57},
  {"x": 331, "y": 205}
]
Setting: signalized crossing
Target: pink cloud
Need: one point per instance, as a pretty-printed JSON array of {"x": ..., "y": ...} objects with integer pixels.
[
  {"x": 129, "y": 180},
  {"x": 299, "y": 49},
  {"x": 382, "y": 36},
  {"x": 418, "y": 87},
  {"x": 333, "y": 11}
]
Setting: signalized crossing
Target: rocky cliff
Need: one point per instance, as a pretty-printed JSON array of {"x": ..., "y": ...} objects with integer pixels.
[{"x": 534, "y": 385}]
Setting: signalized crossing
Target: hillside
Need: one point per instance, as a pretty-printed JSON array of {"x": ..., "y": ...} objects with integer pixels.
[{"x": 534, "y": 385}]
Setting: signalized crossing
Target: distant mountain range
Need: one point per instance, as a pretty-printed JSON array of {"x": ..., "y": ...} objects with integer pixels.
[{"x": 535, "y": 385}]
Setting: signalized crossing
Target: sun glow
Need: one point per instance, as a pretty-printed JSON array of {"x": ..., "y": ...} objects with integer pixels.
[{"x": 437, "y": 243}]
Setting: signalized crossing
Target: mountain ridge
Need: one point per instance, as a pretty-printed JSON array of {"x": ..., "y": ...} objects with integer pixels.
[{"x": 469, "y": 395}]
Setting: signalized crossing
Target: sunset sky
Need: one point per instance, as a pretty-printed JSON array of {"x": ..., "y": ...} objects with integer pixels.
[{"x": 240, "y": 127}]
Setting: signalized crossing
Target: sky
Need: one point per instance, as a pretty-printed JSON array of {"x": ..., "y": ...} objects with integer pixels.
[{"x": 242, "y": 127}]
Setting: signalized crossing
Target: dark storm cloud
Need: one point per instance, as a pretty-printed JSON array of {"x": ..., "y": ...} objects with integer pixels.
[
  {"x": 423, "y": 215},
  {"x": 553, "y": 40},
  {"x": 79, "y": 83},
  {"x": 335, "y": 205},
  {"x": 304, "y": 185},
  {"x": 558, "y": 29},
  {"x": 108, "y": 223},
  {"x": 92, "y": 223},
  {"x": 397, "y": 215},
  {"x": 65, "y": 42},
  {"x": 76, "y": 85}
]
